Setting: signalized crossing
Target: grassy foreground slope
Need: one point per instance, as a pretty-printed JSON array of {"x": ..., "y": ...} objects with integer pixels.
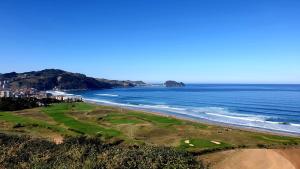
[{"x": 134, "y": 127}]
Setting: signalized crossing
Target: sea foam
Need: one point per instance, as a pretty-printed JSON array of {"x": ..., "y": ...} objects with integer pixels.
[{"x": 108, "y": 95}]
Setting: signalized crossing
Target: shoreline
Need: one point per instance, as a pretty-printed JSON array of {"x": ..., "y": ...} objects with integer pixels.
[{"x": 203, "y": 121}]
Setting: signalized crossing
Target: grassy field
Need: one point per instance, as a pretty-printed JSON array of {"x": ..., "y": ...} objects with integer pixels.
[
  {"x": 134, "y": 127},
  {"x": 58, "y": 113}
]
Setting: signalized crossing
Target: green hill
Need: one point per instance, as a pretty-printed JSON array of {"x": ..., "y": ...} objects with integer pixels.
[{"x": 54, "y": 78}]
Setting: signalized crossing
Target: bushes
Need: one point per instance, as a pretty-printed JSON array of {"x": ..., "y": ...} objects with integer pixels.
[
  {"x": 18, "y": 125},
  {"x": 13, "y": 104},
  {"x": 262, "y": 146},
  {"x": 83, "y": 152}
]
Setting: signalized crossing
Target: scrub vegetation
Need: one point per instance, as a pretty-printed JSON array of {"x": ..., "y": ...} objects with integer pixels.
[{"x": 83, "y": 152}]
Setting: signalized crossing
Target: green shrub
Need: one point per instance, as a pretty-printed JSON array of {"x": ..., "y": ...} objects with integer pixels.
[
  {"x": 262, "y": 146},
  {"x": 84, "y": 152},
  {"x": 18, "y": 125}
]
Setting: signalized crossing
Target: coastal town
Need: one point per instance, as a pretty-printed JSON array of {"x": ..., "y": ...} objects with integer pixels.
[{"x": 7, "y": 92}]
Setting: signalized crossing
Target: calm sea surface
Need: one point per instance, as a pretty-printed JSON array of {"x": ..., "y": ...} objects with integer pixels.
[{"x": 269, "y": 107}]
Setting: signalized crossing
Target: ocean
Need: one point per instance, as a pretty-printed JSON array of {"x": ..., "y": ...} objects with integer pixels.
[{"x": 266, "y": 107}]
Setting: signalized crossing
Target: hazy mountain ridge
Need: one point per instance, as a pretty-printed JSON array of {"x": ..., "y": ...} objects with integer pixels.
[
  {"x": 49, "y": 79},
  {"x": 123, "y": 83}
]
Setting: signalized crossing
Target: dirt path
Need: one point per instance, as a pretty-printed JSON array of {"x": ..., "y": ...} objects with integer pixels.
[
  {"x": 293, "y": 155},
  {"x": 260, "y": 159}
]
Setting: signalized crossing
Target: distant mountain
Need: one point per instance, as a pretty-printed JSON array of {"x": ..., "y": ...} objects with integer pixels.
[
  {"x": 49, "y": 79},
  {"x": 171, "y": 83},
  {"x": 124, "y": 83}
]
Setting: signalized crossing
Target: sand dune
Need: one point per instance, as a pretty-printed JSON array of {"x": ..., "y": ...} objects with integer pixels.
[
  {"x": 260, "y": 159},
  {"x": 293, "y": 155}
]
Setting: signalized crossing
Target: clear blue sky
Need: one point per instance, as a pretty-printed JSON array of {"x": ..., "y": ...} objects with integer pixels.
[{"x": 208, "y": 41}]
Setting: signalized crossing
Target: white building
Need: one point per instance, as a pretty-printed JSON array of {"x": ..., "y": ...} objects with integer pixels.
[
  {"x": 72, "y": 98},
  {"x": 3, "y": 84},
  {"x": 59, "y": 97},
  {"x": 6, "y": 93},
  {"x": 68, "y": 98}
]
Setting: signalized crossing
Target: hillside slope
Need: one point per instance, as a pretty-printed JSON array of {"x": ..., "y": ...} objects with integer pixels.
[{"x": 54, "y": 78}]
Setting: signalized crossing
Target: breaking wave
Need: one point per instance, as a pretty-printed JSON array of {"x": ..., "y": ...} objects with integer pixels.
[
  {"x": 109, "y": 95},
  {"x": 56, "y": 93}
]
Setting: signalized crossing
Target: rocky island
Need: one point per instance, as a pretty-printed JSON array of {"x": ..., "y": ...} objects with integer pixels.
[{"x": 171, "y": 83}]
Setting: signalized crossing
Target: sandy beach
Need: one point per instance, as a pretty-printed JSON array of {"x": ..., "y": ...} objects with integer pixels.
[{"x": 255, "y": 159}]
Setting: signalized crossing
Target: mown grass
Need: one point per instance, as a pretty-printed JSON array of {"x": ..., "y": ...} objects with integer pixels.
[
  {"x": 200, "y": 143},
  {"x": 139, "y": 117},
  {"x": 156, "y": 119},
  {"x": 121, "y": 119},
  {"x": 28, "y": 122},
  {"x": 81, "y": 106},
  {"x": 59, "y": 113}
]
